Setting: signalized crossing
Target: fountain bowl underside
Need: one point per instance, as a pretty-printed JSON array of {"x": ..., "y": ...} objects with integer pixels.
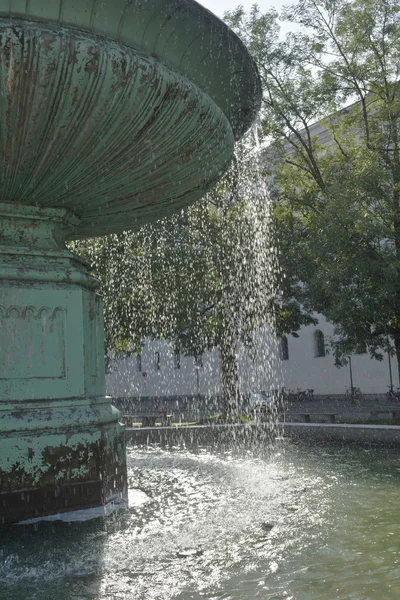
[
  {"x": 113, "y": 113},
  {"x": 103, "y": 130}
]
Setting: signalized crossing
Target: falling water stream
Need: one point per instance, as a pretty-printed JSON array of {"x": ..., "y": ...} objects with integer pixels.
[
  {"x": 291, "y": 522},
  {"x": 280, "y": 522}
]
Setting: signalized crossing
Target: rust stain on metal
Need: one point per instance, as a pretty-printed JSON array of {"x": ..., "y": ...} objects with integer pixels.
[
  {"x": 10, "y": 78},
  {"x": 92, "y": 65},
  {"x": 144, "y": 77},
  {"x": 17, "y": 414},
  {"x": 73, "y": 48},
  {"x": 75, "y": 95},
  {"x": 123, "y": 72},
  {"x": 48, "y": 39},
  {"x": 115, "y": 66}
]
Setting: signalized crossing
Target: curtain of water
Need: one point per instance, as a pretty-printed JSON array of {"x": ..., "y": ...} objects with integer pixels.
[{"x": 205, "y": 278}]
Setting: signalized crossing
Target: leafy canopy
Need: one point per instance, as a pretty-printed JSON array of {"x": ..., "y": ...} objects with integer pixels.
[{"x": 331, "y": 111}]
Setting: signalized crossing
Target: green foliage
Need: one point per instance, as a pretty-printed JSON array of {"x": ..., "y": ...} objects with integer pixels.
[
  {"x": 205, "y": 277},
  {"x": 336, "y": 185}
]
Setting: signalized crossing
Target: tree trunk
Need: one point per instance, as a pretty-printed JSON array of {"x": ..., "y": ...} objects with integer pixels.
[
  {"x": 396, "y": 338},
  {"x": 396, "y": 224},
  {"x": 230, "y": 378},
  {"x": 396, "y": 334}
]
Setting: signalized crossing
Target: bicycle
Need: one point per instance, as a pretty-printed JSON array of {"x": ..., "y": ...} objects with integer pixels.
[
  {"x": 354, "y": 394},
  {"x": 299, "y": 396},
  {"x": 391, "y": 394},
  {"x": 288, "y": 395},
  {"x": 309, "y": 394},
  {"x": 304, "y": 395}
]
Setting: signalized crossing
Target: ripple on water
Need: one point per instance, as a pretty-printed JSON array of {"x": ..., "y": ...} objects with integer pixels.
[{"x": 295, "y": 524}]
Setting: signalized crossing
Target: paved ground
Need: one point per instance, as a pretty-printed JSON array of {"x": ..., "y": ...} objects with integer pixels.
[{"x": 345, "y": 410}]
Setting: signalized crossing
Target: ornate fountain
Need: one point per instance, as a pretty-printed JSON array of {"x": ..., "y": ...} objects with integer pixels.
[{"x": 112, "y": 113}]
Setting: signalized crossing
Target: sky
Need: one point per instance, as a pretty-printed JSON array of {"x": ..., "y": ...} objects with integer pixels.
[{"x": 220, "y": 6}]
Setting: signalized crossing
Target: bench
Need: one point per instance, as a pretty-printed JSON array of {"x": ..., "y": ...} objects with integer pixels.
[
  {"x": 394, "y": 410},
  {"x": 147, "y": 419},
  {"x": 261, "y": 410},
  {"x": 307, "y": 416}
]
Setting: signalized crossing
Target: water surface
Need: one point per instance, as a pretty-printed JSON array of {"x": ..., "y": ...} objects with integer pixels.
[{"x": 291, "y": 523}]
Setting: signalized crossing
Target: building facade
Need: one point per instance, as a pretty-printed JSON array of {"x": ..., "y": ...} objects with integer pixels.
[
  {"x": 296, "y": 363},
  {"x": 302, "y": 363}
]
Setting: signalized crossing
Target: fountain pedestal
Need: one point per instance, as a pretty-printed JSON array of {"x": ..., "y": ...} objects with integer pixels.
[
  {"x": 112, "y": 114},
  {"x": 61, "y": 446}
]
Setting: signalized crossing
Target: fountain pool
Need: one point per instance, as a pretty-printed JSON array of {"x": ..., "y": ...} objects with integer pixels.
[{"x": 292, "y": 522}]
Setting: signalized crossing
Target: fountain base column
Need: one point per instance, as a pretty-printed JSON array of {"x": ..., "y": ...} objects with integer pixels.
[{"x": 61, "y": 445}]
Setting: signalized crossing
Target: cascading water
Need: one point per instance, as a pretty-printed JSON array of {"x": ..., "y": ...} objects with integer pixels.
[
  {"x": 207, "y": 278},
  {"x": 225, "y": 520}
]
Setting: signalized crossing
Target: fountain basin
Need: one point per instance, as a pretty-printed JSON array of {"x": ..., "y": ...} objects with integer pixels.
[
  {"x": 118, "y": 111},
  {"x": 111, "y": 134},
  {"x": 112, "y": 114}
]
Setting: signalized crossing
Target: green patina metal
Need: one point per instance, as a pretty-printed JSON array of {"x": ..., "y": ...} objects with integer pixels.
[
  {"x": 180, "y": 34},
  {"x": 117, "y": 137},
  {"x": 112, "y": 113},
  {"x": 58, "y": 429}
]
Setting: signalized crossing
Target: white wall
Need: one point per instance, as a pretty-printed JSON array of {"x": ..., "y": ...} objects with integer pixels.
[
  {"x": 263, "y": 372},
  {"x": 125, "y": 379},
  {"x": 303, "y": 370}
]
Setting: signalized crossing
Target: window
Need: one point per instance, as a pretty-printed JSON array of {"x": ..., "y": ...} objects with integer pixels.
[
  {"x": 157, "y": 361},
  {"x": 319, "y": 344},
  {"x": 177, "y": 360},
  {"x": 284, "y": 348},
  {"x": 139, "y": 363}
]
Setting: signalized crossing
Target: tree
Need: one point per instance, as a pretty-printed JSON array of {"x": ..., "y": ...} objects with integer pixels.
[
  {"x": 197, "y": 278},
  {"x": 206, "y": 277},
  {"x": 337, "y": 194}
]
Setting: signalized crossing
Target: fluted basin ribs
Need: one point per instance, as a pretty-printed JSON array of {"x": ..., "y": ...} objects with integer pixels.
[
  {"x": 181, "y": 34},
  {"x": 119, "y": 110},
  {"x": 105, "y": 131},
  {"x": 112, "y": 113}
]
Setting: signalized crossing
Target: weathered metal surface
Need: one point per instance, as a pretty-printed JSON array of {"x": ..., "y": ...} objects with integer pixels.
[
  {"x": 61, "y": 446},
  {"x": 112, "y": 113},
  {"x": 45, "y": 472},
  {"x": 51, "y": 343},
  {"x": 181, "y": 34},
  {"x": 111, "y": 134}
]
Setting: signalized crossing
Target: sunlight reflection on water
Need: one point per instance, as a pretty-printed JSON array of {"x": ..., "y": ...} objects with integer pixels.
[{"x": 295, "y": 523}]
